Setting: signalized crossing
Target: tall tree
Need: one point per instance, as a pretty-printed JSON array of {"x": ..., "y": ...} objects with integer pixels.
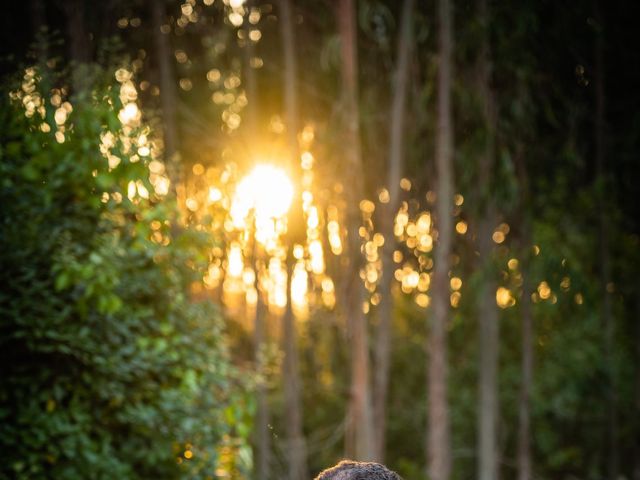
[
  {"x": 605, "y": 254},
  {"x": 78, "y": 38},
  {"x": 250, "y": 80},
  {"x": 438, "y": 438},
  {"x": 296, "y": 445},
  {"x": 262, "y": 437},
  {"x": 487, "y": 308},
  {"x": 395, "y": 166},
  {"x": 359, "y": 425},
  {"x": 636, "y": 467},
  {"x": 168, "y": 94},
  {"x": 526, "y": 380}
]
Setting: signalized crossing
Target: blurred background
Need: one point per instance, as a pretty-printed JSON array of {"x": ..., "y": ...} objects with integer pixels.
[{"x": 245, "y": 239}]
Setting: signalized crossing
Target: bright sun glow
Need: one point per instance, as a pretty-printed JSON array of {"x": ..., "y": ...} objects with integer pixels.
[{"x": 267, "y": 190}]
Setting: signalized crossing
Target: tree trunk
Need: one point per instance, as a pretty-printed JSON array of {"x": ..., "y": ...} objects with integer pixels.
[
  {"x": 38, "y": 15},
  {"x": 605, "y": 256},
  {"x": 396, "y": 161},
  {"x": 262, "y": 437},
  {"x": 526, "y": 382},
  {"x": 168, "y": 95},
  {"x": 262, "y": 411},
  {"x": 78, "y": 37},
  {"x": 251, "y": 87},
  {"x": 636, "y": 469},
  {"x": 488, "y": 322},
  {"x": 438, "y": 435},
  {"x": 296, "y": 445},
  {"x": 293, "y": 405},
  {"x": 359, "y": 428}
]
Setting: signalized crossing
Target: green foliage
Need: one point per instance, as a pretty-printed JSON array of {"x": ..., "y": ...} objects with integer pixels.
[{"x": 110, "y": 370}]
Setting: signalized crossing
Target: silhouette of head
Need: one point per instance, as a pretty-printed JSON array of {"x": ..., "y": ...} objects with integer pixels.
[{"x": 349, "y": 470}]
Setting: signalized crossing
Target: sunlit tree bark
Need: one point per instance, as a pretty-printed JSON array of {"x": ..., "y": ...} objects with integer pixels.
[
  {"x": 608, "y": 319},
  {"x": 438, "y": 436},
  {"x": 359, "y": 429},
  {"x": 396, "y": 161},
  {"x": 487, "y": 309},
  {"x": 296, "y": 445},
  {"x": 168, "y": 95}
]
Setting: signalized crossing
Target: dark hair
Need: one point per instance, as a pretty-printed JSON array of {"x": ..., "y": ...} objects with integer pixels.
[{"x": 349, "y": 470}]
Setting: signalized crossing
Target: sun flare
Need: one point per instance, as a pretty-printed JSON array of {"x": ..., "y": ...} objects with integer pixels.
[
  {"x": 266, "y": 193},
  {"x": 267, "y": 190}
]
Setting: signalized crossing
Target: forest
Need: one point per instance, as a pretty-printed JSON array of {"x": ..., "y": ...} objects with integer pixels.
[{"x": 246, "y": 239}]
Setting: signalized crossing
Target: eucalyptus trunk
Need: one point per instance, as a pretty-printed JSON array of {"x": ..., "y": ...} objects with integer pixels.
[
  {"x": 79, "y": 45},
  {"x": 359, "y": 428},
  {"x": 438, "y": 429},
  {"x": 395, "y": 167},
  {"x": 262, "y": 437},
  {"x": 526, "y": 313},
  {"x": 251, "y": 85},
  {"x": 526, "y": 381},
  {"x": 38, "y": 16},
  {"x": 296, "y": 445},
  {"x": 168, "y": 94},
  {"x": 608, "y": 319},
  {"x": 636, "y": 467},
  {"x": 262, "y": 410},
  {"x": 487, "y": 308}
]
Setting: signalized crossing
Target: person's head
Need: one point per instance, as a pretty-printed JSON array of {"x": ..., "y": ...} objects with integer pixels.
[{"x": 349, "y": 470}]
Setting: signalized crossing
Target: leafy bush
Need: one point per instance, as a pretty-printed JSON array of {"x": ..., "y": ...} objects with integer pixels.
[{"x": 110, "y": 370}]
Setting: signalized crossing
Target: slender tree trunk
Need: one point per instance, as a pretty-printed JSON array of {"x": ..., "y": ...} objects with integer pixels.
[
  {"x": 438, "y": 435},
  {"x": 251, "y": 84},
  {"x": 359, "y": 434},
  {"x": 489, "y": 344},
  {"x": 262, "y": 411},
  {"x": 605, "y": 256},
  {"x": 489, "y": 333},
  {"x": 293, "y": 403},
  {"x": 38, "y": 15},
  {"x": 396, "y": 161},
  {"x": 79, "y": 50},
  {"x": 296, "y": 445},
  {"x": 168, "y": 95},
  {"x": 262, "y": 438},
  {"x": 526, "y": 382},
  {"x": 636, "y": 470}
]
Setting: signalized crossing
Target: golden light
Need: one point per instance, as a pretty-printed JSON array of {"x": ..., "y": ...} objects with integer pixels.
[
  {"x": 299, "y": 287},
  {"x": 236, "y": 263},
  {"x": 504, "y": 298},
  {"x": 267, "y": 190},
  {"x": 277, "y": 289},
  {"x": 544, "y": 290},
  {"x": 422, "y": 300}
]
